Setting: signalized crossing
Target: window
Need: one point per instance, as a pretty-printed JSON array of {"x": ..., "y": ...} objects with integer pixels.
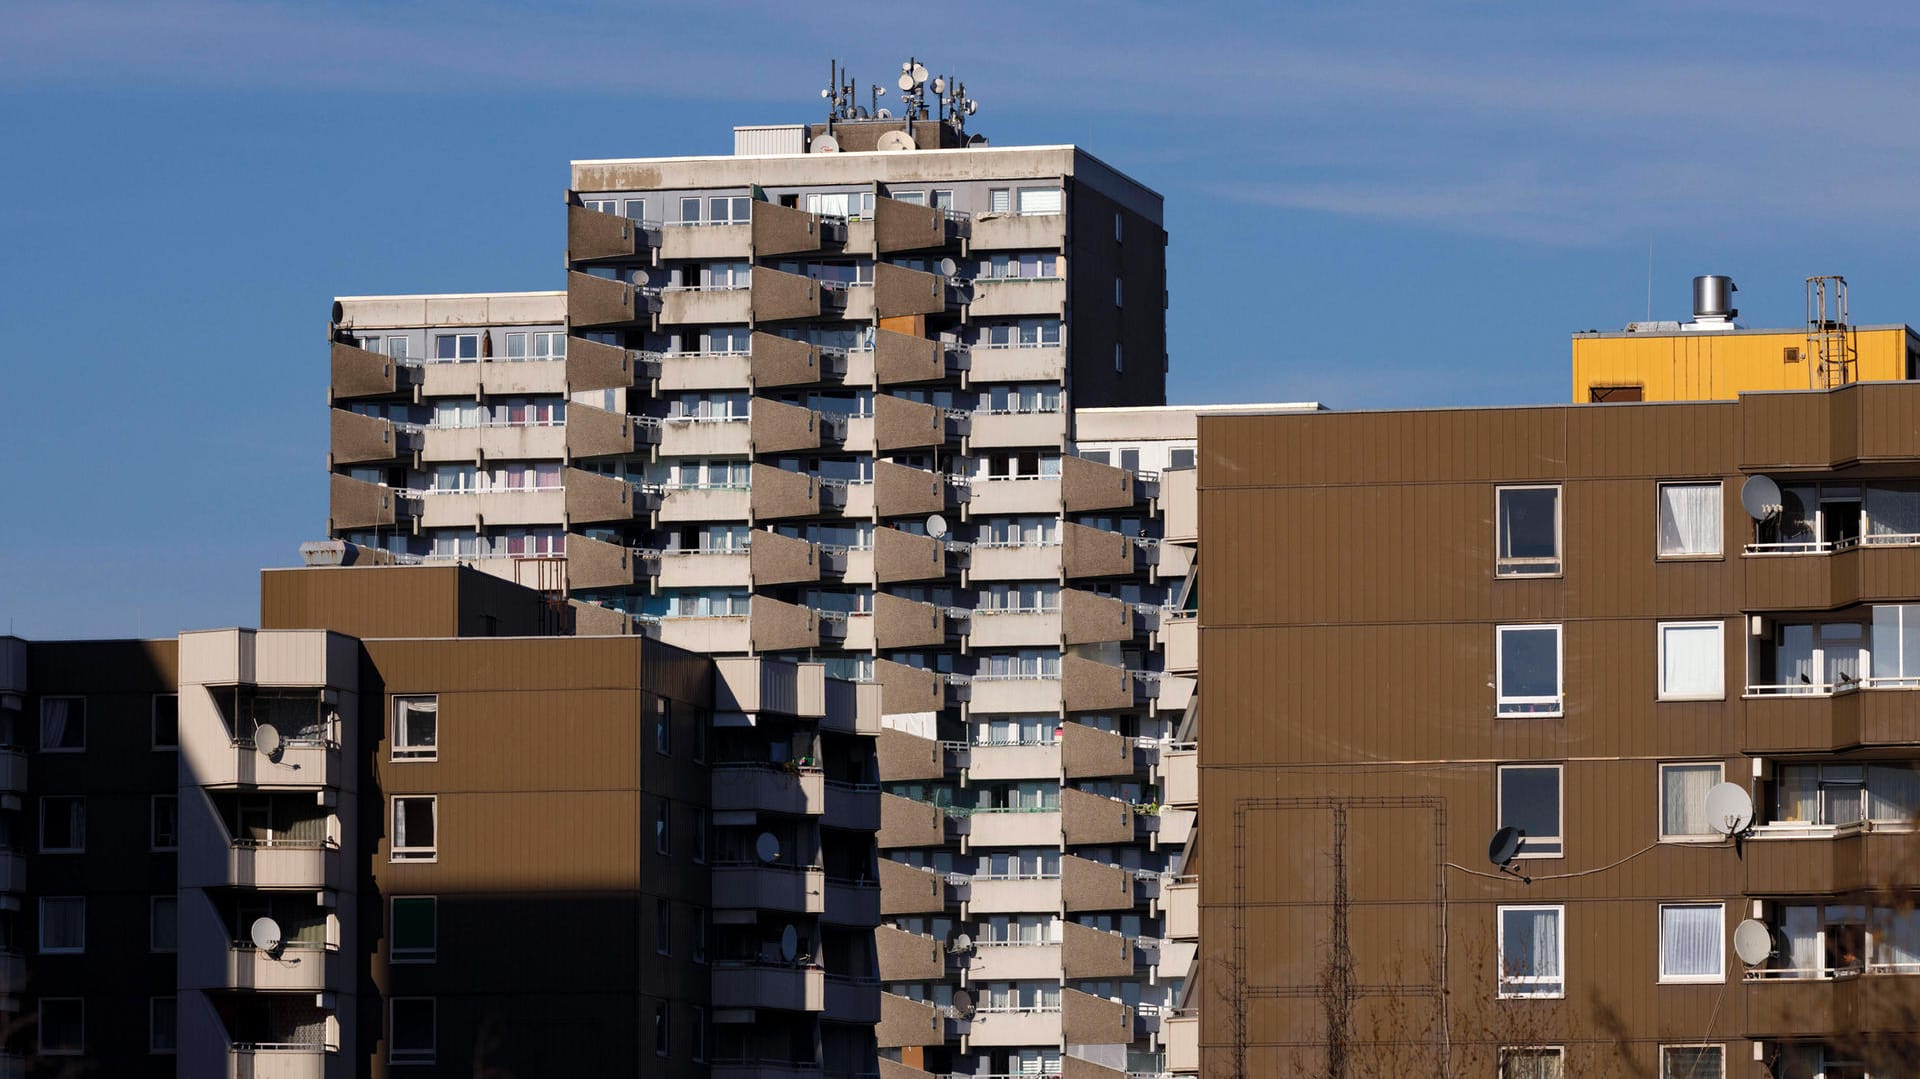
[
  {"x": 1895, "y": 645},
  {"x": 1532, "y": 952},
  {"x": 1040, "y": 200},
  {"x": 416, "y": 728},
  {"x": 1690, "y": 520},
  {"x": 663, "y": 926},
  {"x": 911, "y": 198},
  {"x": 1692, "y": 661},
  {"x": 166, "y": 721},
  {"x": 1526, "y": 531},
  {"x": 1180, "y": 458},
  {"x": 1117, "y": 237},
  {"x": 661, "y": 1041},
  {"x": 163, "y": 1025},
  {"x": 1117, "y": 301},
  {"x": 63, "y": 925},
  {"x": 999, "y": 200},
  {"x": 1119, "y": 358},
  {"x": 662, "y": 838},
  {"x": 663, "y": 726},
  {"x": 1530, "y": 799},
  {"x": 699, "y": 934},
  {"x": 166, "y": 822},
  {"x": 1532, "y": 1063},
  {"x": 605, "y": 206},
  {"x": 62, "y": 1026},
  {"x": 1528, "y": 670},
  {"x": 735, "y": 209},
  {"x": 699, "y": 1013},
  {"x": 1683, "y": 800},
  {"x": 414, "y": 933},
  {"x": 63, "y": 724},
  {"x": 633, "y": 209},
  {"x": 410, "y": 1031},
  {"x": 690, "y": 210},
  {"x": 942, "y": 200},
  {"x": 163, "y": 928},
  {"x": 699, "y": 834},
  {"x": 414, "y": 825},
  {"x": 456, "y": 347},
  {"x": 1693, "y": 1062},
  {"x": 1691, "y": 948},
  {"x": 516, "y": 346},
  {"x": 63, "y": 824}
]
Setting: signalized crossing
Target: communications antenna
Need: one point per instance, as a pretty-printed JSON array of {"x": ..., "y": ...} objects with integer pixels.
[{"x": 1830, "y": 337}]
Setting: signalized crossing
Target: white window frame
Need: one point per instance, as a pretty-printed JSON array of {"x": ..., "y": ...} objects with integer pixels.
[
  {"x": 699, "y": 1033},
  {"x": 153, "y": 727},
  {"x": 1660, "y": 502},
  {"x": 42, "y": 928},
  {"x": 1559, "y": 698},
  {"x": 153, "y": 903},
  {"x": 406, "y": 754},
  {"x": 1500, "y": 947},
  {"x": 153, "y": 821},
  {"x": 40, "y": 1025},
  {"x": 153, "y": 1027},
  {"x": 396, "y": 853},
  {"x": 1118, "y": 300},
  {"x": 1560, "y": 806},
  {"x": 433, "y": 1030},
  {"x": 662, "y": 1029},
  {"x": 1717, "y": 1046},
  {"x": 663, "y": 826},
  {"x": 1660, "y": 802},
  {"x": 1660, "y": 660},
  {"x": 413, "y": 956},
  {"x": 662, "y": 925},
  {"x": 1503, "y": 567},
  {"x": 40, "y": 739},
  {"x": 1559, "y": 1052},
  {"x": 80, "y": 798},
  {"x": 1694, "y": 979}
]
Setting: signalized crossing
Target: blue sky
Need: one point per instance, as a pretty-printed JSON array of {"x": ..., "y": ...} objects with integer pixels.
[{"x": 1371, "y": 205}]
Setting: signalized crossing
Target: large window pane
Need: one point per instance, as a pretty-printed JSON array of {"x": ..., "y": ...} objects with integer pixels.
[
  {"x": 1896, "y": 644},
  {"x": 1530, "y": 801},
  {"x": 1527, "y": 531},
  {"x": 1531, "y": 952},
  {"x": 1691, "y": 948},
  {"x": 1683, "y": 799},
  {"x": 1690, "y": 519},
  {"x": 1530, "y": 1064},
  {"x": 415, "y": 930},
  {"x": 1693, "y": 1062},
  {"x": 1692, "y": 661},
  {"x": 1529, "y": 670}
]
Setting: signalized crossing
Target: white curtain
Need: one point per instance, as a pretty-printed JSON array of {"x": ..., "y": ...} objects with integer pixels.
[
  {"x": 63, "y": 923},
  {"x": 1690, "y": 940},
  {"x": 54, "y": 714},
  {"x": 1893, "y": 792},
  {"x": 1530, "y": 948},
  {"x": 1683, "y": 798},
  {"x": 1896, "y": 938},
  {"x": 1801, "y": 925},
  {"x": 1693, "y": 1062},
  {"x": 1690, "y": 518},
  {"x": 1893, "y": 512},
  {"x": 1040, "y": 200},
  {"x": 1692, "y": 660}
]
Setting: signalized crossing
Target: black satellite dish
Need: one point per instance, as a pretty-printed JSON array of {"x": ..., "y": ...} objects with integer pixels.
[{"x": 1504, "y": 847}]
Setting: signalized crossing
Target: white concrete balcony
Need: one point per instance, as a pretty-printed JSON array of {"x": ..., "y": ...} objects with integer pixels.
[
  {"x": 986, "y": 763},
  {"x": 994, "y": 296},
  {"x": 704, "y": 370},
  {"x": 994, "y": 1028},
  {"x": 764, "y": 887},
  {"x": 1042, "y": 363},
  {"x": 683, "y": 437},
  {"x": 1180, "y": 644},
  {"x": 285, "y": 865},
  {"x": 1026, "y": 494},
  {"x": 13, "y": 771},
  {"x": 1170, "y": 827},
  {"x": 1180, "y": 499},
  {"x": 704, "y": 241},
  {"x": 992, "y": 429},
  {"x": 706, "y": 569},
  {"x": 1013, "y": 562},
  {"x": 1012, "y": 828},
  {"x": 859, "y": 636},
  {"x": 726, "y": 633},
  {"x": 1013, "y": 628},
  {"x": 311, "y": 968},
  {"x": 994, "y": 962},
  {"x": 859, "y": 505},
  {"x": 1014, "y": 895},
  {"x": 1011, "y": 231},
  {"x": 501, "y": 442},
  {"x": 701, "y": 306},
  {"x": 704, "y": 504},
  {"x": 1181, "y": 902},
  {"x": 1180, "y": 776},
  {"x": 277, "y": 1061},
  {"x": 761, "y": 788},
  {"x": 460, "y": 509},
  {"x": 300, "y": 765},
  {"x": 756, "y": 985},
  {"x": 995, "y": 695},
  {"x": 493, "y": 376},
  {"x": 859, "y": 435},
  {"x": 1180, "y": 1033}
]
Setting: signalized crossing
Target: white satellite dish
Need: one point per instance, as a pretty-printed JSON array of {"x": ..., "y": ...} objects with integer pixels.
[
  {"x": 936, "y": 526},
  {"x": 1760, "y": 497},
  {"x": 948, "y": 267},
  {"x": 919, "y": 73},
  {"x": 1729, "y": 809},
  {"x": 963, "y": 943},
  {"x": 789, "y": 943},
  {"x": 825, "y": 144},
  {"x": 266, "y": 935},
  {"x": 641, "y": 277},
  {"x": 827, "y": 94},
  {"x": 1753, "y": 942},
  {"x": 896, "y": 141},
  {"x": 906, "y": 80},
  {"x": 266, "y": 739},
  {"x": 884, "y": 114},
  {"x": 767, "y": 848},
  {"x": 939, "y": 86}
]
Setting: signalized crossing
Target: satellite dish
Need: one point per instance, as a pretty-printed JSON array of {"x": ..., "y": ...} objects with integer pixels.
[
  {"x": 936, "y": 526},
  {"x": 939, "y": 86},
  {"x": 896, "y": 140},
  {"x": 1505, "y": 845},
  {"x": 1753, "y": 942},
  {"x": 919, "y": 73},
  {"x": 825, "y": 144},
  {"x": 972, "y": 107},
  {"x": 884, "y": 114},
  {"x": 266, "y": 935},
  {"x": 948, "y": 267},
  {"x": 963, "y": 1003},
  {"x": 641, "y": 277},
  {"x": 767, "y": 848},
  {"x": 963, "y": 943},
  {"x": 827, "y": 94},
  {"x": 906, "y": 80},
  {"x": 1761, "y": 497},
  {"x": 789, "y": 943},
  {"x": 1729, "y": 809},
  {"x": 860, "y": 111},
  {"x": 266, "y": 739}
]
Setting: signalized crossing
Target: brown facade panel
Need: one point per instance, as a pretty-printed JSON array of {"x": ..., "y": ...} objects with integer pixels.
[
  {"x": 904, "y": 756},
  {"x": 593, "y": 563},
  {"x": 1089, "y": 1020},
  {"x": 1086, "y": 952},
  {"x": 784, "y": 230},
  {"x": 778, "y": 559},
  {"x": 1073, "y": 1067},
  {"x": 1086, "y": 752},
  {"x": 595, "y": 366},
  {"x": 779, "y": 627},
  {"x": 903, "y": 491},
  {"x": 903, "y": 357},
  {"x": 906, "y": 889},
  {"x": 899, "y": 291},
  {"x": 779, "y": 494},
  {"x": 908, "y": 957},
  {"x": 779, "y": 296},
  {"x": 902, "y": 226},
  {"x": 905, "y": 1022},
  {"x": 778, "y": 427},
  {"x": 905, "y": 689},
  {"x": 903, "y": 556},
  {"x": 596, "y": 301},
  {"x": 906, "y": 623},
  {"x": 1091, "y": 885},
  {"x": 1088, "y": 685},
  {"x": 1092, "y": 818},
  {"x": 360, "y": 373},
  {"x": 595, "y": 432},
  {"x": 595, "y": 235},
  {"x": 780, "y": 361},
  {"x": 900, "y": 424},
  {"x": 1094, "y": 552},
  {"x": 592, "y": 497},
  {"x": 355, "y": 503},
  {"x": 1088, "y": 485},
  {"x": 1090, "y": 618},
  {"x": 355, "y": 438},
  {"x": 908, "y": 823}
]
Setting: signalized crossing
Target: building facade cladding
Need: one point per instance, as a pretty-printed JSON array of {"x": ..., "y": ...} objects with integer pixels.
[{"x": 1561, "y": 619}]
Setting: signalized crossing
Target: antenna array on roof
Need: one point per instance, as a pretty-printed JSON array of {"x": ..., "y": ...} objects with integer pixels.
[{"x": 923, "y": 96}]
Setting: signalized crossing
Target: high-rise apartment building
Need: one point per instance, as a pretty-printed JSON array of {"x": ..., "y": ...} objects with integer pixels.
[{"x": 1421, "y": 629}]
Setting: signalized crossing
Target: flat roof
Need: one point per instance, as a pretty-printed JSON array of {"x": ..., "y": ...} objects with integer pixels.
[
  {"x": 452, "y": 296},
  {"x": 1739, "y": 331}
]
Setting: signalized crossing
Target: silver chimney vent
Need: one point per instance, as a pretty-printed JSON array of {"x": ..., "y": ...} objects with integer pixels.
[{"x": 1713, "y": 298}]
